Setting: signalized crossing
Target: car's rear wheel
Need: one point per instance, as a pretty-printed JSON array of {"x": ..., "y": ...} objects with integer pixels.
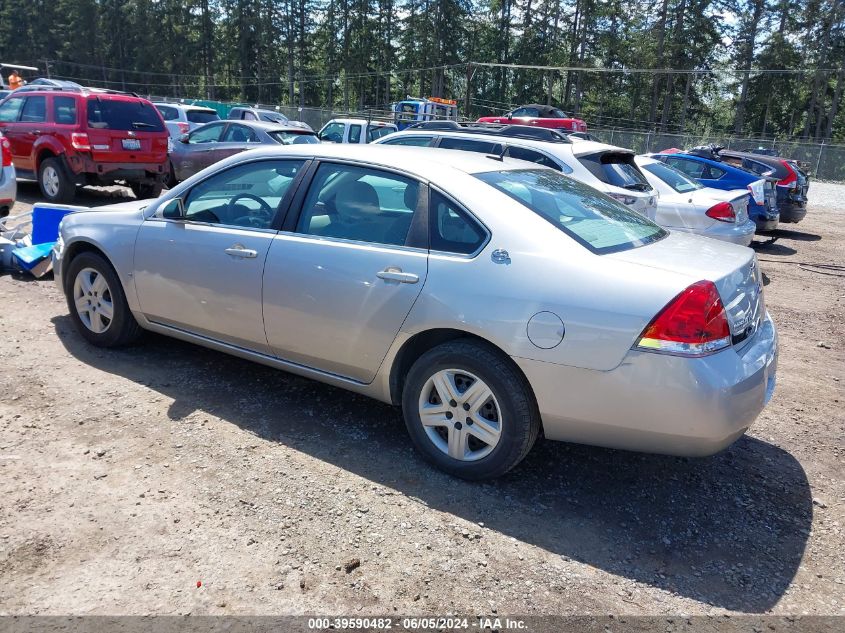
[
  {"x": 469, "y": 411},
  {"x": 144, "y": 190},
  {"x": 97, "y": 302},
  {"x": 170, "y": 180},
  {"x": 55, "y": 184}
]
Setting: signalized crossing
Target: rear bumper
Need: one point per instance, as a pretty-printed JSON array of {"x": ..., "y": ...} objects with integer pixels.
[
  {"x": 766, "y": 224},
  {"x": 86, "y": 170},
  {"x": 791, "y": 213},
  {"x": 658, "y": 403},
  {"x": 741, "y": 234}
]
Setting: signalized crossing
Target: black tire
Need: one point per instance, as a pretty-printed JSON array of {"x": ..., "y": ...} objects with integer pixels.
[
  {"x": 170, "y": 177},
  {"x": 63, "y": 188},
  {"x": 122, "y": 329},
  {"x": 146, "y": 190},
  {"x": 520, "y": 417}
]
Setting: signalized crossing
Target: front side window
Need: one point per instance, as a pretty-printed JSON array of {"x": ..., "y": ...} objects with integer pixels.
[
  {"x": 285, "y": 137},
  {"x": 356, "y": 203},
  {"x": 247, "y": 195},
  {"x": 248, "y": 116},
  {"x": 34, "y": 110},
  {"x": 594, "y": 220},
  {"x": 526, "y": 112},
  {"x": 452, "y": 230},
  {"x": 117, "y": 114},
  {"x": 354, "y": 133},
  {"x": 470, "y": 145},
  {"x": 11, "y": 109},
  {"x": 333, "y": 132},
  {"x": 207, "y": 134},
  {"x": 239, "y": 134},
  {"x": 411, "y": 141},
  {"x": 64, "y": 110},
  {"x": 675, "y": 178}
]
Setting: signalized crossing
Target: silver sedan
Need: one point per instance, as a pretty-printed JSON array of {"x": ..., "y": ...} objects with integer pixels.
[{"x": 490, "y": 298}]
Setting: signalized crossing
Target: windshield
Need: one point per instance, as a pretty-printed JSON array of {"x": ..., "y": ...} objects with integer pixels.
[
  {"x": 616, "y": 169},
  {"x": 676, "y": 179},
  {"x": 113, "y": 114},
  {"x": 202, "y": 116},
  {"x": 593, "y": 219},
  {"x": 293, "y": 138}
]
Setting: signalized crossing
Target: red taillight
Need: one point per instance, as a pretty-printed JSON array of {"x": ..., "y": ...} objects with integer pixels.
[
  {"x": 693, "y": 324},
  {"x": 79, "y": 141},
  {"x": 184, "y": 128},
  {"x": 7, "y": 151},
  {"x": 722, "y": 211},
  {"x": 791, "y": 175}
]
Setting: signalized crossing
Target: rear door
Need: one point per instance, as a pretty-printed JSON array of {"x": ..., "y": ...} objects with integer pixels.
[
  {"x": 10, "y": 112},
  {"x": 125, "y": 130},
  {"x": 342, "y": 276}
]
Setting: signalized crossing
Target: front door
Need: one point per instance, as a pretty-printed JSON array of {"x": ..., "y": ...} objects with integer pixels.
[
  {"x": 339, "y": 284},
  {"x": 202, "y": 272}
]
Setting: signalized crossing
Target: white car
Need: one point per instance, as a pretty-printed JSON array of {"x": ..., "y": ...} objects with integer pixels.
[
  {"x": 609, "y": 169},
  {"x": 352, "y": 131},
  {"x": 8, "y": 182},
  {"x": 686, "y": 205},
  {"x": 181, "y": 119}
]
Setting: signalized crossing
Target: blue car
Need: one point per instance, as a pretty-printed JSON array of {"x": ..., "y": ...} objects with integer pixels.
[{"x": 762, "y": 206}]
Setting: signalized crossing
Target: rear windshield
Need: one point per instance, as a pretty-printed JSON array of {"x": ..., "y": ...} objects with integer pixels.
[
  {"x": 596, "y": 221},
  {"x": 293, "y": 138},
  {"x": 676, "y": 179},
  {"x": 202, "y": 116},
  {"x": 272, "y": 117},
  {"x": 615, "y": 169},
  {"x": 113, "y": 114}
]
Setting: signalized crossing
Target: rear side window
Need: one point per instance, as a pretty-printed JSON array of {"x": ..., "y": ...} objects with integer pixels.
[
  {"x": 691, "y": 168},
  {"x": 10, "y": 109},
  {"x": 470, "y": 145},
  {"x": 239, "y": 134},
  {"x": 168, "y": 113},
  {"x": 533, "y": 156},
  {"x": 64, "y": 110},
  {"x": 201, "y": 116},
  {"x": 452, "y": 229},
  {"x": 375, "y": 132},
  {"x": 354, "y": 133},
  {"x": 594, "y": 220},
  {"x": 114, "y": 114},
  {"x": 526, "y": 112},
  {"x": 675, "y": 178},
  {"x": 293, "y": 138},
  {"x": 616, "y": 169},
  {"x": 411, "y": 141},
  {"x": 34, "y": 110}
]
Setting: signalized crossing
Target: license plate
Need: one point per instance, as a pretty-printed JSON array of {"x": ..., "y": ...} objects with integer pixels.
[{"x": 131, "y": 143}]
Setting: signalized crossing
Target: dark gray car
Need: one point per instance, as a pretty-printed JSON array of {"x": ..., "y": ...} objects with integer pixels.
[{"x": 215, "y": 141}]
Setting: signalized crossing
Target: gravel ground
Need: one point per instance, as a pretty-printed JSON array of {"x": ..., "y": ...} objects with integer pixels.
[{"x": 129, "y": 477}]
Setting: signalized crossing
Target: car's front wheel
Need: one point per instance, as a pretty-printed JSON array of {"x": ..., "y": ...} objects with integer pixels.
[
  {"x": 469, "y": 410},
  {"x": 97, "y": 303}
]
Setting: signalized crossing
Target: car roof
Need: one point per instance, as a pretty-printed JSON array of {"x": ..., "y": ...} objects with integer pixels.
[
  {"x": 186, "y": 106},
  {"x": 424, "y": 162},
  {"x": 268, "y": 126},
  {"x": 584, "y": 147}
]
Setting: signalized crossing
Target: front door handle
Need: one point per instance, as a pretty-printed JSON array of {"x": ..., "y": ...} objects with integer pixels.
[
  {"x": 238, "y": 250},
  {"x": 396, "y": 274}
]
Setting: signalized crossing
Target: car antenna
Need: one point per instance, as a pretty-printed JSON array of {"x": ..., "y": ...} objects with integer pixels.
[{"x": 500, "y": 156}]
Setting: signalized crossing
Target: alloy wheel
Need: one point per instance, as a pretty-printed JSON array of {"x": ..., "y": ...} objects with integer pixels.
[{"x": 50, "y": 181}]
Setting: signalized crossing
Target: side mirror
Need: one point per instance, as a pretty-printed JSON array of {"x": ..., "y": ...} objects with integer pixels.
[
  {"x": 173, "y": 210},
  {"x": 184, "y": 138}
]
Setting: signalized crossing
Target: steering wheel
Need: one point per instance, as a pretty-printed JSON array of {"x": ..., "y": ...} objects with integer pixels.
[{"x": 257, "y": 218}]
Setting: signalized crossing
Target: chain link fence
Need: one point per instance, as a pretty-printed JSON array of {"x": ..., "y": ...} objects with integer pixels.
[{"x": 824, "y": 161}]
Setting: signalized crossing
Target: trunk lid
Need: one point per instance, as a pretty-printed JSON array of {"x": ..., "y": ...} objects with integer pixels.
[{"x": 732, "y": 268}]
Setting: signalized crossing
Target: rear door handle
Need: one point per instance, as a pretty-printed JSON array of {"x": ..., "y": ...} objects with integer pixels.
[
  {"x": 396, "y": 274},
  {"x": 239, "y": 251}
]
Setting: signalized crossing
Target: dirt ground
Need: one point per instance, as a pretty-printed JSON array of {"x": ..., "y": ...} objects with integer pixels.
[{"x": 128, "y": 477}]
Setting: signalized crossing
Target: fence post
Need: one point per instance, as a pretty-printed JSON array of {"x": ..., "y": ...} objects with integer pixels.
[
  {"x": 819, "y": 160},
  {"x": 611, "y": 136}
]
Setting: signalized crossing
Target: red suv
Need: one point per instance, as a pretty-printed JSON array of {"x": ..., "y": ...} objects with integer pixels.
[{"x": 69, "y": 137}]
